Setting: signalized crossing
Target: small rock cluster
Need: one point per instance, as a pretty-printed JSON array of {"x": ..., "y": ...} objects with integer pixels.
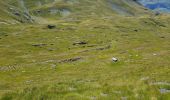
[
  {"x": 70, "y": 60},
  {"x": 51, "y": 26},
  {"x": 114, "y": 59}
]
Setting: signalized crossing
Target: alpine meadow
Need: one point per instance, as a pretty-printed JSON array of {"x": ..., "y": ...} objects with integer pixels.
[{"x": 84, "y": 50}]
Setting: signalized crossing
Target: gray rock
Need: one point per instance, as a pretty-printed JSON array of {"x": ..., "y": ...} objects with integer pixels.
[
  {"x": 39, "y": 45},
  {"x": 114, "y": 59},
  {"x": 51, "y": 26},
  {"x": 80, "y": 43},
  {"x": 70, "y": 60}
]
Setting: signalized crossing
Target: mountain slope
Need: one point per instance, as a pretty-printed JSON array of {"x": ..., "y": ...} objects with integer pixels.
[
  {"x": 11, "y": 13},
  {"x": 64, "y": 50},
  {"x": 26, "y": 10}
]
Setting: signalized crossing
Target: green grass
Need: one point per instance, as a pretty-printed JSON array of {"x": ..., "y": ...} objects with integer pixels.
[
  {"x": 34, "y": 73},
  {"x": 35, "y": 61}
]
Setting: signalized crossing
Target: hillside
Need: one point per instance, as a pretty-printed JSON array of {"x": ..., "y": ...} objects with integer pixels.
[
  {"x": 64, "y": 50},
  {"x": 34, "y": 10}
]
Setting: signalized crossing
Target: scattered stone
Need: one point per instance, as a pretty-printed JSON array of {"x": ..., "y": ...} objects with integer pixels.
[
  {"x": 70, "y": 60},
  {"x": 80, "y": 43},
  {"x": 39, "y": 45},
  {"x": 114, "y": 59},
  {"x": 51, "y": 26}
]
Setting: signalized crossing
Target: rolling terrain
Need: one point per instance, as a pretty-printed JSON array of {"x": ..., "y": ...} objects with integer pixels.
[{"x": 63, "y": 50}]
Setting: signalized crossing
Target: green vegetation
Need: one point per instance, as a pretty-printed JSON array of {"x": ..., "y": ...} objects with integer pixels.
[{"x": 73, "y": 61}]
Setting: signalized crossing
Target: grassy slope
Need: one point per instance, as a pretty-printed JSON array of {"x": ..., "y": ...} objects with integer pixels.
[{"x": 141, "y": 44}]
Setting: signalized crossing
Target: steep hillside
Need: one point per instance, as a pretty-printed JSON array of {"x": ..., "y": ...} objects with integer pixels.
[
  {"x": 11, "y": 13},
  {"x": 30, "y": 10}
]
